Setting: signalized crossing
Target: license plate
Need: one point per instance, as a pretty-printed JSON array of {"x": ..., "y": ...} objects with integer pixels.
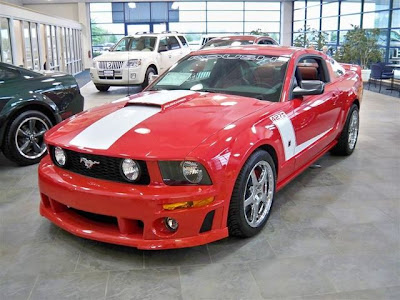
[{"x": 109, "y": 73}]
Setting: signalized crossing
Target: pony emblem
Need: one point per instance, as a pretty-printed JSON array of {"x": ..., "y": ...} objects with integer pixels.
[{"x": 89, "y": 163}]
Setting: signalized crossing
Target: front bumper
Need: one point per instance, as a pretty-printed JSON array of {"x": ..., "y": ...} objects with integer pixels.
[
  {"x": 124, "y": 76},
  {"x": 134, "y": 214}
]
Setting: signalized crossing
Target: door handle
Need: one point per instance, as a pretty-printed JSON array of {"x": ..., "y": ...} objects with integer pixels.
[{"x": 169, "y": 56}]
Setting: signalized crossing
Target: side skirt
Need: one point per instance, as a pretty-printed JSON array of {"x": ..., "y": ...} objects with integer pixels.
[{"x": 296, "y": 173}]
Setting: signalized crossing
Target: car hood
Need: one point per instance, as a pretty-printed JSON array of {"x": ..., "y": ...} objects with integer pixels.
[
  {"x": 123, "y": 55},
  {"x": 156, "y": 124}
]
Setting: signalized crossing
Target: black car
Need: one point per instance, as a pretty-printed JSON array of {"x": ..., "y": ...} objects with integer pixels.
[{"x": 31, "y": 103}]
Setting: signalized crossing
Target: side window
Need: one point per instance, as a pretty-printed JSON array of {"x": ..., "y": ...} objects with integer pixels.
[
  {"x": 265, "y": 42},
  {"x": 311, "y": 68},
  {"x": 337, "y": 69},
  {"x": 163, "y": 42},
  {"x": 8, "y": 74},
  {"x": 173, "y": 43},
  {"x": 183, "y": 41}
]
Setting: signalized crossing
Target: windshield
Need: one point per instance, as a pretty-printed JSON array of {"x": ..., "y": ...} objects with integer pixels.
[
  {"x": 142, "y": 43},
  {"x": 226, "y": 43},
  {"x": 257, "y": 76}
]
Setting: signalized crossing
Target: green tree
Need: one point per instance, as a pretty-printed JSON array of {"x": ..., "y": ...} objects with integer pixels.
[
  {"x": 259, "y": 32},
  {"x": 313, "y": 37},
  {"x": 361, "y": 47},
  {"x": 98, "y": 35}
]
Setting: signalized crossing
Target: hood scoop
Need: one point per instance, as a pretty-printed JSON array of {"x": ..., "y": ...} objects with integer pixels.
[
  {"x": 160, "y": 99},
  {"x": 142, "y": 104}
]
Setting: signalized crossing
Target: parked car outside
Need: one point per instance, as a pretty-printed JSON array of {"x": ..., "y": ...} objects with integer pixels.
[
  {"x": 30, "y": 104},
  {"x": 200, "y": 154},
  {"x": 135, "y": 59},
  {"x": 238, "y": 40}
]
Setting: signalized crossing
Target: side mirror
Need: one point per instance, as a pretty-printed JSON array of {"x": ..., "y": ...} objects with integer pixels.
[
  {"x": 153, "y": 77},
  {"x": 162, "y": 48},
  {"x": 309, "y": 87}
]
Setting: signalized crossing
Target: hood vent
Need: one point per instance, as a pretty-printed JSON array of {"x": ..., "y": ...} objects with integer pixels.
[{"x": 142, "y": 104}]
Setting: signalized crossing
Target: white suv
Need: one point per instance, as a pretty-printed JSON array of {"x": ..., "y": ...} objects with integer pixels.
[{"x": 135, "y": 59}]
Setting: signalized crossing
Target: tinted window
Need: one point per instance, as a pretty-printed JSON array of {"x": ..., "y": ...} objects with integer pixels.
[
  {"x": 8, "y": 74},
  {"x": 163, "y": 42},
  {"x": 183, "y": 41},
  {"x": 173, "y": 43},
  {"x": 265, "y": 42}
]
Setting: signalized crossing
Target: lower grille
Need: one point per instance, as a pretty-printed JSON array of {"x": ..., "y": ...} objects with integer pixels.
[
  {"x": 96, "y": 217},
  {"x": 108, "y": 168},
  {"x": 111, "y": 78}
]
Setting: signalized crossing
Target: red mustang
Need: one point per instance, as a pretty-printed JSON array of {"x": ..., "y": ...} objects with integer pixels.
[{"x": 201, "y": 152}]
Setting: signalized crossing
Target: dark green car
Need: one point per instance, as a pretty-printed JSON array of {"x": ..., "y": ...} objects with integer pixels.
[{"x": 31, "y": 103}]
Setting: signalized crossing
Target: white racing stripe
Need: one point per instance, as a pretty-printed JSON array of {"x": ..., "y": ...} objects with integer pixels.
[
  {"x": 288, "y": 135},
  {"x": 162, "y": 97},
  {"x": 106, "y": 131},
  {"x": 286, "y": 130},
  {"x": 308, "y": 143}
]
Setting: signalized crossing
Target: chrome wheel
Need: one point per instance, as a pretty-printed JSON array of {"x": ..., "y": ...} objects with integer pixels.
[
  {"x": 353, "y": 130},
  {"x": 258, "y": 193},
  {"x": 29, "y": 137}
]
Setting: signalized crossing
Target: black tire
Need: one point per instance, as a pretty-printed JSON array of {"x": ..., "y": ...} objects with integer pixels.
[
  {"x": 344, "y": 147},
  {"x": 237, "y": 223},
  {"x": 102, "y": 88},
  {"x": 146, "y": 77},
  {"x": 12, "y": 150}
]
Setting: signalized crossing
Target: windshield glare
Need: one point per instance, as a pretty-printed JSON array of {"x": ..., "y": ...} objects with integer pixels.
[
  {"x": 257, "y": 76},
  {"x": 226, "y": 43},
  {"x": 143, "y": 43}
]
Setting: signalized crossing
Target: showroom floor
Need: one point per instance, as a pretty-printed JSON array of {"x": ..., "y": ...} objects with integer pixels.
[{"x": 333, "y": 234}]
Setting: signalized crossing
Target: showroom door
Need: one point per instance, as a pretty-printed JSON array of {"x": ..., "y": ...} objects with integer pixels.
[{"x": 131, "y": 29}]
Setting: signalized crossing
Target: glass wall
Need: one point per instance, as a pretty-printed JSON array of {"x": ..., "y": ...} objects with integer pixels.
[
  {"x": 43, "y": 46},
  {"x": 328, "y": 21},
  {"x": 111, "y": 21},
  {"x": 5, "y": 45}
]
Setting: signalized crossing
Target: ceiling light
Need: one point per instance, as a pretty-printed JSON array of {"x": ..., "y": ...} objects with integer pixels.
[{"x": 132, "y": 5}]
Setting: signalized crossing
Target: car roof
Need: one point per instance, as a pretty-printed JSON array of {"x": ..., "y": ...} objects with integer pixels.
[{"x": 256, "y": 49}]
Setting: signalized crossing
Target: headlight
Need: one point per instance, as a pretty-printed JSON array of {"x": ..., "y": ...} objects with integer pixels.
[
  {"x": 94, "y": 64},
  {"x": 134, "y": 63},
  {"x": 130, "y": 169},
  {"x": 192, "y": 171},
  {"x": 60, "y": 157},
  {"x": 184, "y": 172}
]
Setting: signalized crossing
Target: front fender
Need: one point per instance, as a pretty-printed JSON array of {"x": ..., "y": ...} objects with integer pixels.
[
  {"x": 36, "y": 101},
  {"x": 225, "y": 153}
]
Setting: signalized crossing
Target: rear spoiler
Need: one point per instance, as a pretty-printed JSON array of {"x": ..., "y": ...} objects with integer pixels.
[{"x": 351, "y": 67}]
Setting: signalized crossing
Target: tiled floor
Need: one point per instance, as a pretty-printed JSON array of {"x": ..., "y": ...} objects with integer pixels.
[{"x": 334, "y": 234}]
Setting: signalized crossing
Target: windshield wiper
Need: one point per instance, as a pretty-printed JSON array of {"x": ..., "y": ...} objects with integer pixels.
[{"x": 210, "y": 91}]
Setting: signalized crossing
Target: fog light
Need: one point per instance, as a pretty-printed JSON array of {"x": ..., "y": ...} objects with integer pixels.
[{"x": 171, "y": 224}]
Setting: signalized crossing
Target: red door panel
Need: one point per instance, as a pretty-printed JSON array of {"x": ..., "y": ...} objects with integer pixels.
[{"x": 313, "y": 119}]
